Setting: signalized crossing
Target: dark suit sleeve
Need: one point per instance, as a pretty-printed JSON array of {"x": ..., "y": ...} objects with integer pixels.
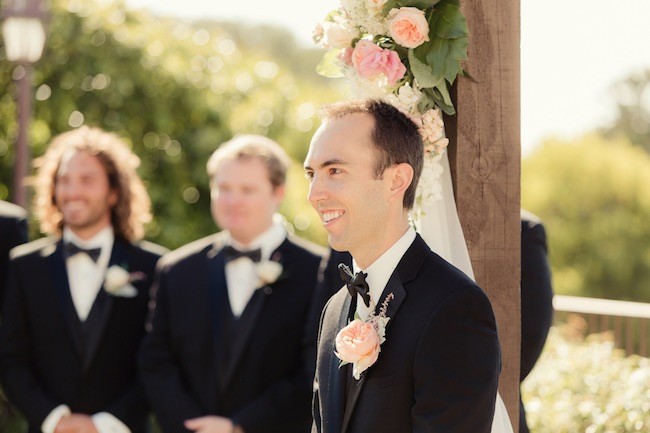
[
  {"x": 19, "y": 382},
  {"x": 159, "y": 368},
  {"x": 455, "y": 391},
  {"x": 13, "y": 232},
  {"x": 536, "y": 294}
]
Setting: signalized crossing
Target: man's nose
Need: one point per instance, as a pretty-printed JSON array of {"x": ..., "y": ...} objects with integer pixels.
[{"x": 317, "y": 191}]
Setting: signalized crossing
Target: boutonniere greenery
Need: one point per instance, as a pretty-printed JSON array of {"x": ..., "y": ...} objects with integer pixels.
[
  {"x": 118, "y": 282},
  {"x": 360, "y": 342}
]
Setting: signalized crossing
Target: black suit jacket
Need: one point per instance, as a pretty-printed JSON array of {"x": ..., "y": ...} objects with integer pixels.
[
  {"x": 536, "y": 297},
  {"x": 13, "y": 231},
  {"x": 266, "y": 386},
  {"x": 438, "y": 368},
  {"x": 48, "y": 358}
]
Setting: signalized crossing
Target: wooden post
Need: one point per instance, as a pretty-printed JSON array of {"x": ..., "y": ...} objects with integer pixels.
[{"x": 485, "y": 154}]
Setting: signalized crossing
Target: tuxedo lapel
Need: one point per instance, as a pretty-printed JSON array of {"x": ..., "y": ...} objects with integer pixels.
[
  {"x": 250, "y": 316},
  {"x": 62, "y": 289},
  {"x": 217, "y": 299},
  {"x": 395, "y": 289},
  {"x": 336, "y": 389},
  {"x": 102, "y": 306},
  {"x": 245, "y": 326}
]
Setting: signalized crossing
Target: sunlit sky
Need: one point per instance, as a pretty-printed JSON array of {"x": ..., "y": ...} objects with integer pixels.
[{"x": 572, "y": 51}]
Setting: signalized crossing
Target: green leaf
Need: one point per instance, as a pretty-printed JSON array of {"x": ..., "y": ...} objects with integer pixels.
[
  {"x": 420, "y": 4},
  {"x": 451, "y": 24},
  {"x": 446, "y": 97},
  {"x": 436, "y": 56},
  {"x": 423, "y": 72},
  {"x": 390, "y": 4},
  {"x": 329, "y": 65}
]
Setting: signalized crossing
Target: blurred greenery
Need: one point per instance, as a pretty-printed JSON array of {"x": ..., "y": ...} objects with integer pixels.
[
  {"x": 632, "y": 96},
  {"x": 593, "y": 195},
  {"x": 587, "y": 385},
  {"x": 175, "y": 90}
]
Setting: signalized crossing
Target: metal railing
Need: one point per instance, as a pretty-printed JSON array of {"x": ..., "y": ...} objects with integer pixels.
[{"x": 628, "y": 321}]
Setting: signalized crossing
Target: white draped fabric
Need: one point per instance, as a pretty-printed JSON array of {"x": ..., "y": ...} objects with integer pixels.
[{"x": 439, "y": 226}]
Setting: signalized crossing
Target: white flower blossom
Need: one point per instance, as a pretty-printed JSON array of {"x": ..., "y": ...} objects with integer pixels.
[
  {"x": 268, "y": 271},
  {"x": 117, "y": 282}
]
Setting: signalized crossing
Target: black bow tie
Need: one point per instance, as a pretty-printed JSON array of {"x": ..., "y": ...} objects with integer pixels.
[
  {"x": 233, "y": 253},
  {"x": 355, "y": 283},
  {"x": 71, "y": 249}
]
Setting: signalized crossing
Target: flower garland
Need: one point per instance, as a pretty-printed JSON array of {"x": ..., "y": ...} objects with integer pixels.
[{"x": 407, "y": 52}]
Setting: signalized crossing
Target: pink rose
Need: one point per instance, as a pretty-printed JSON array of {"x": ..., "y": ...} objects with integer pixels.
[
  {"x": 346, "y": 55},
  {"x": 408, "y": 26},
  {"x": 358, "y": 343},
  {"x": 370, "y": 60}
]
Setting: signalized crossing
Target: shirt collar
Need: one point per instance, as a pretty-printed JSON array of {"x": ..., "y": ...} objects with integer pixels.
[
  {"x": 102, "y": 239},
  {"x": 268, "y": 241},
  {"x": 380, "y": 270}
]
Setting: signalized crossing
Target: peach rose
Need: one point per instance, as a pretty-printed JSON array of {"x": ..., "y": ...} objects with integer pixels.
[
  {"x": 408, "y": 26},
  {"x": 370, "y": 60},
  {"x": 358, "y": 343}
]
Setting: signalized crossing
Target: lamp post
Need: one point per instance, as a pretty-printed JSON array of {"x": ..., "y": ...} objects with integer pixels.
[{"x": 23, "y": 31}]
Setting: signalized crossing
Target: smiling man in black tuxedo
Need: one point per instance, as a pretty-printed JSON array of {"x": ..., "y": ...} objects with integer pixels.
[
  {"x": 438, "y": 368},
  {"x": 76, "y": 303},
  {"x": 229, "y": 349}
]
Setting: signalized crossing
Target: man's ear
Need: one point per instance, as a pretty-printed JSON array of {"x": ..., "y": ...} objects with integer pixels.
[
  {"x": 279, "y": 193},
  {"x": 401, "y": 176}
]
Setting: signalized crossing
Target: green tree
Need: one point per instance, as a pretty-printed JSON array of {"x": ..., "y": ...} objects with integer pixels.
[
  {"x": 176, "y": 90},
  {"x": 594, "y": 197},
  {"x": 632, "y": 97}
]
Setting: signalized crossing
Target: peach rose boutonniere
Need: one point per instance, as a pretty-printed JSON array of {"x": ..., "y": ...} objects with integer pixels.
[
  {"x": 118, "y": 282},
  {"x": 360, "y": 342}
]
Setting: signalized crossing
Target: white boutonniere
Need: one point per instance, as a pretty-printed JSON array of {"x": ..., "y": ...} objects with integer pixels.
[
  {"x": 268, "y": 271},
  {"x": 118, "y": 282},
  {"x": 360, "y": 342}
]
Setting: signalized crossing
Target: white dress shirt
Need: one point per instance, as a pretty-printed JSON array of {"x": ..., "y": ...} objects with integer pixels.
[
  {"x": 241, "y": 274},
  {"x": 84, "y": 275},
  {"x": 380, "y": 270},
  {"x": 86, "y": 278}
]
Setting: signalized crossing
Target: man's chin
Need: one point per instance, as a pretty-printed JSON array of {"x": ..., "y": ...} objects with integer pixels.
[{"x": 336, "y": 243}]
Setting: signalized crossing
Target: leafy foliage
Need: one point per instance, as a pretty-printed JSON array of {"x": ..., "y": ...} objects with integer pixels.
[
  {"x": 175, "y": 90},
  {"x": 633, "y": 110},
  {"x": 587, "y": 385},
  {"x": 594, "y": 197}
]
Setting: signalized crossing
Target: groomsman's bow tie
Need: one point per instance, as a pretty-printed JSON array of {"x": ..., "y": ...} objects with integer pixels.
[
  {"x": 71, "y": 249},
  {"x": 355, "y": 283},
  {"x": 233, "y": 253}
]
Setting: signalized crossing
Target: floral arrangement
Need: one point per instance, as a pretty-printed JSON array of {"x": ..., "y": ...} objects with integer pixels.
[
  {"x": 268, "y": 271},
  {"x": 360, "y": 341},
  {"x": 407, "y": 52},
  {"x": 118, "y": 282}
]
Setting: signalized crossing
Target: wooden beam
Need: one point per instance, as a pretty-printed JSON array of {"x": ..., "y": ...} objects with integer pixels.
[{"x": 485, "y": 154}]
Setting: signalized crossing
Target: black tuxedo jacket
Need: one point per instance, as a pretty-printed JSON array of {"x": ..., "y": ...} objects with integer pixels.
[
  {"x": 262, "y": 377},
  {"x": 13, "y": 231},
  {"x": 536, "y": 297},
  {"x": 48, "y": 357},
  {"x": 437, "y": 370}
]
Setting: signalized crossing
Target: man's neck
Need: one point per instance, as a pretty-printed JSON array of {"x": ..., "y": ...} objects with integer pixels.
[
  {"x": 87, "y": 233},
  {"x": 373, "y": 250}
]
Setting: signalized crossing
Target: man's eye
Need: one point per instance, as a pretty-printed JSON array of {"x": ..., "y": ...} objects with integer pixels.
[
  {"x": 309, "y": 175},
  {"x": 334, "y": 170}
]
